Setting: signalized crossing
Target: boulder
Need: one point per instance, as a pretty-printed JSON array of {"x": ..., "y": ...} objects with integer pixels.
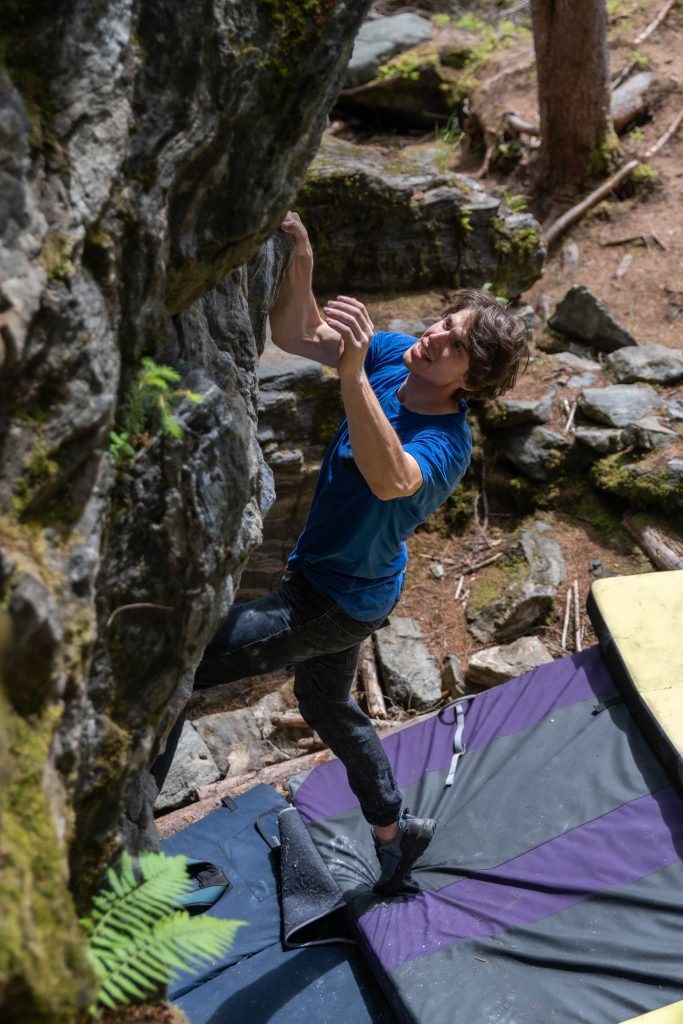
[
  {"x": 654, "y": 364},
  {"x": 192, "y": 766},
  {"x": 537, "y": 451},
  {"x": 453, "y": 677},
  {"x": 601, "y": 440},
  {"x": 510, "y": 599},
  {"x": 379, "y": 40},
  {"x": 502, "y": 413},
  {"x": 651, "y": 482},
  {"x": 418, "y": 87},
  {"x": 410, "y": 674},
  {"x": 145, "y": 169},
  {"x": 498, "y": 664},
  {"x": 619, "y": 404},
  {"x": 648, "y": 433},
  {"x": 576, "y": 362},
  {"x": 381, "y": 220},
  {"x": 581, "y": 315},
  {"x": 239, "y": 741}
]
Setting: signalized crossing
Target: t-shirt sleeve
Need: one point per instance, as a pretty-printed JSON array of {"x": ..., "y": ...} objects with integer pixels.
[{"x": 443, "y": 460}]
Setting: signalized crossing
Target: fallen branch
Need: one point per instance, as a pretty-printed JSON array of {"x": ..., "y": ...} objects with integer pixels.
[
  {"x": 664, "y": 550},
  {"x": 209, "y": 797},
  {"x": 622, "y": 75},
  {"x": 567, "y": 613},
  {"x": 577, "y": 618},
  {"x": 465, "y": 570},
  {"x": 570, "y": 418},
  {"x": 518, "y": 124},
  {"x": 564, "y": 222},
  {"x": 655, "y": 23},
  {"x": 310, "y": 743},
  {"x": 458, "y": 589},
  {"x": 367, "y": 673}
]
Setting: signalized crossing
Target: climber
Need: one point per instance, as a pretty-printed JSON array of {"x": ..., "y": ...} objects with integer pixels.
[{"x": 398, "y": 454}]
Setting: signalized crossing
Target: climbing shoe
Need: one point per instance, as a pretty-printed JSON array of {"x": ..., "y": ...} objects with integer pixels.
[
  {"x": 208, "y": 885},
  {"x": 397, "y": 857}
]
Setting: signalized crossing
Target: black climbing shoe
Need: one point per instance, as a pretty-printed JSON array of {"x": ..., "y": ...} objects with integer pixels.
[
  {"x": 397, "y": 857},
  {"x": 208, "y": 885}
]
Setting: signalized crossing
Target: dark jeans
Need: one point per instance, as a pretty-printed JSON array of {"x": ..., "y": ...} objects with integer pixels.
[{"x": 299, "y": 625}]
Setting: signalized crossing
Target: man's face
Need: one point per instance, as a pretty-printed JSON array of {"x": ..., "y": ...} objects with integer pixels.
[{"x": 441, "y": 356}]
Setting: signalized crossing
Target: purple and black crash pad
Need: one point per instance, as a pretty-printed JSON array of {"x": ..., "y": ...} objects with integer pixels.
[
  {"x": 553, "y": 889},
  {"x": 260, "y": 980}
]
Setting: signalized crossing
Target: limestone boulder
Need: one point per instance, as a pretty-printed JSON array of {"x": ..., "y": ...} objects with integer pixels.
[
  {"x": 379, "y": 40},
  {"x": 509, "y": 599},
  {"x": 618, "y": 405},
  {"x": 381, "y": 220},
  {"x": 193, "y": 766},
  {"x": 410, "y": 674},
  {"x": 654, "y": 364},
  {"x": 502, "y": 413},
  {"x": 138, "y": 201},
  {"x": 507, "y": 661},
  {"x": 537, "y": 451},
  {"x": 581, "y": 315}
]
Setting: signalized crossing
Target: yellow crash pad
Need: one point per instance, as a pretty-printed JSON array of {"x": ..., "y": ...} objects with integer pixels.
[{"x": 639, "y": 623}]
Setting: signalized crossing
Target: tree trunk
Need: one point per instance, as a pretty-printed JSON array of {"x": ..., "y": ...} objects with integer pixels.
[{"x": 578, "y": 140}]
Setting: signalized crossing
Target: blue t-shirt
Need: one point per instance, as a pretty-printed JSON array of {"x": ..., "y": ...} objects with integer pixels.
[{"x": 353, "y": 544}]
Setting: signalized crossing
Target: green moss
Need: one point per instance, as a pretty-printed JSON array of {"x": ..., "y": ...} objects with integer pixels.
[
  {"x": 644, "y": 483},
  {"x": 26, "y": 59},
  {"x": 495, "y": 581},
  {"x": 294, "y": 27},
  {"x": 40, "y": 470},
  {"x": 514, "y": 248},
  {"x": 56, "y": 255},
  {"x": 44, "y": 974}
]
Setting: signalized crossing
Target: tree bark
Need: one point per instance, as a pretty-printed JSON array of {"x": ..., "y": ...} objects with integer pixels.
[{"x": 578, "y": 140}]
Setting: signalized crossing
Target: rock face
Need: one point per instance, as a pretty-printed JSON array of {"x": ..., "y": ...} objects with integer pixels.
[
  {"x": 498, "y": 664},
  {"x": 387, "y": 221},
  {"x": 135, "y": 196}
]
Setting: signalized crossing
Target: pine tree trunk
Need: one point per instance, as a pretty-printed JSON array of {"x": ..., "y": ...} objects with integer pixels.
[{"x": 578, "y": 140}]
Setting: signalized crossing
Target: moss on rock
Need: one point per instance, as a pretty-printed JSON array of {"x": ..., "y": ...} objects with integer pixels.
[{"x": 44, "y": 972}]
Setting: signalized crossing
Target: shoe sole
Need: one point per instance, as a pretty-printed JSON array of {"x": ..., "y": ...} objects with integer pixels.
[{"x": 422, "y": 837}]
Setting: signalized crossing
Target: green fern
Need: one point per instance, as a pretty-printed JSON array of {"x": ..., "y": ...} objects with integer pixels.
[
  {"x": 151, "y": 394},
  {"x": 137, "y": 940}
]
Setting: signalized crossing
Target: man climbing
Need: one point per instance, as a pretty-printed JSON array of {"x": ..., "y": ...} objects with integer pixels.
[{"x": 401, "y": 449}]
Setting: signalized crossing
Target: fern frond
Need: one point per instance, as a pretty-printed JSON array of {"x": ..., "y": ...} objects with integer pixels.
[
  {"x": 150, "y": 959},
  {"x": 131, "y": 902},
  {"x": 169, "y": 425}
]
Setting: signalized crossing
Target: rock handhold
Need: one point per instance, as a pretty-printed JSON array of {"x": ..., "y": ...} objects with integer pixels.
[
  {"x": 510, "y": 599},
  {"x": 409, "y": 672},
  {"x": 654, "y": 364},
  {"x": 618, "y": 405},
  {"x": 498, "y": 664},
  {"x": 379, "y": 40},
  {"x": 581, "y": 315}
]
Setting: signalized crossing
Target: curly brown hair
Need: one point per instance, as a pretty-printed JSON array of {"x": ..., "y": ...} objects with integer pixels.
[{"x": 497, "y": 343}]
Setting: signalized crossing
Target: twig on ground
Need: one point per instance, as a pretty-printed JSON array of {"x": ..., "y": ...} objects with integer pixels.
[
  {"x": 558, "y": 227},
  {"x": 485, "y": 504},
  {"x": 654, "y": 24},
  {"x": 567, "y": 613},
  {"x": 367, "y": 673},
  {"x": 310, "y": 743},
  {"x": 570, "y": 419},
  {"x": 577, "y": 617},
  {"x": 458, "y": 589}
]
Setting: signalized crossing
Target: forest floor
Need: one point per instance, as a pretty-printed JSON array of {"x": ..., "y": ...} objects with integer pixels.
[{"x": 647, "y": 300}]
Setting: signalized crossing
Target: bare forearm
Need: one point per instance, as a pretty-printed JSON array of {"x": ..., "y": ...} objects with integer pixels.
[
  {"x": 388, "y": 470},
  {"x": 295, "y": 316}
]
